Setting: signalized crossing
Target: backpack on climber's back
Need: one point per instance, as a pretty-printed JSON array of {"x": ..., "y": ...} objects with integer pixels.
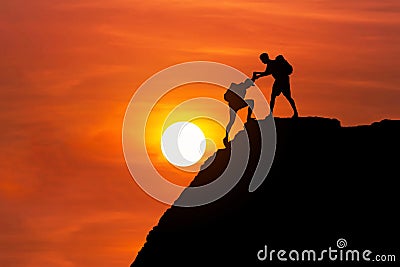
[
  {"x": 229, "y": 95},
  {"x": 235, "y": 92},
  {"x": 284, "y": 66}
]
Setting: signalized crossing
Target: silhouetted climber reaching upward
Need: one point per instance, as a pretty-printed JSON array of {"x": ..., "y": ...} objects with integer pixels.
[
  {"x": 235, "y": 98},
  {"x": 280, "y": 69}
]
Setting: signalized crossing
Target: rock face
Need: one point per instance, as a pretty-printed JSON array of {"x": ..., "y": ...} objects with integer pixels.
[{"x": 326, "y": 182}]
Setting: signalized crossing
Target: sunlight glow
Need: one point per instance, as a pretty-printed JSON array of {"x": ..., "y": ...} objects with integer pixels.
[{"x": 183, "y": 144}]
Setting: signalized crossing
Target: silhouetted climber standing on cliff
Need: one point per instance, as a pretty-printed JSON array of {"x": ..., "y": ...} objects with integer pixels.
[
  {"x": 280, "y": 69},
  {"x": 235, "y": 98}
]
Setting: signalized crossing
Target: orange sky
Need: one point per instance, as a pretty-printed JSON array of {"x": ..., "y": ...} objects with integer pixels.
[{"x": 69, "y": 68}]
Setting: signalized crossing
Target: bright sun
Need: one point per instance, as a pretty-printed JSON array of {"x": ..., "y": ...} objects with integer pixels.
[{"x": 183, "y": 144}]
